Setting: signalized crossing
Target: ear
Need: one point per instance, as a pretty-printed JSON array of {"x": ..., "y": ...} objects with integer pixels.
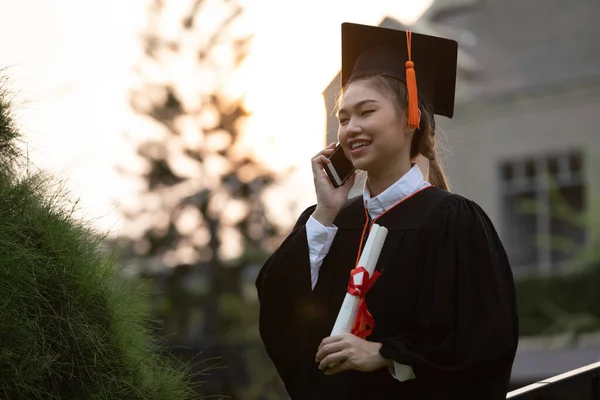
[{"x": 410, "y": 131}]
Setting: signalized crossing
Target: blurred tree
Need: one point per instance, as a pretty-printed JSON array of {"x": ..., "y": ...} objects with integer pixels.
[
  {"x": 203, "y": 218},
  {"x": 567, "y": 301},
  {"x": 578, "y": 240}
]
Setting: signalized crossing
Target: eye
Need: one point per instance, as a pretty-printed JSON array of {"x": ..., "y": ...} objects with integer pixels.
[
  {"x": 343, "y": 120},
  {"x": 366, "y": 112}
]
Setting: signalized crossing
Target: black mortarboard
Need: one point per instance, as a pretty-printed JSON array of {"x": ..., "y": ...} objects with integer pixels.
[{"x": 370, "y": 49}]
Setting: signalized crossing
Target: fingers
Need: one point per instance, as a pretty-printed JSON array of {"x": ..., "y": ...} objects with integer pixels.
[
  {"x": 326, "y": 151},
  {"x": 333, "y": 360},
  {"x": 330, "y": 346},
  {"x": 331, "y": 339},
  {"x": 334, "y": 353},
  {"x": 318, "y": 163},
  {"x": 324, "y": 351},
  {"x": 320, "y": 159},
  {"x": 334, "y": 369}
]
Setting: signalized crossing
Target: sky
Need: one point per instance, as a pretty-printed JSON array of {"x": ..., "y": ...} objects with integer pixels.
[{"x": 70, "y": 65}]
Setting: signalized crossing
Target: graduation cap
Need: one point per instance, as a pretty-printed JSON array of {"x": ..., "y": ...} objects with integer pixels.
[{"x": 420, "y": 61}]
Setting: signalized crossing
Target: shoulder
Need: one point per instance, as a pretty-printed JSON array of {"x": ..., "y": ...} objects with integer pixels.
[
  {"x": 458, "y": 210},
  {"x": 413, "y": 212},
  {"x": 304, "y": 216},
  {"x": 461, "y": 223}
]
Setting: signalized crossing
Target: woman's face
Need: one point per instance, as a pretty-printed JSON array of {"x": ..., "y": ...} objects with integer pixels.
[{"x": 373, "y": 133}]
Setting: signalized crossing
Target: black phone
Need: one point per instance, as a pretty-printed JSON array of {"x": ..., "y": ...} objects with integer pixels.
[{"x": 340, "y": 168}]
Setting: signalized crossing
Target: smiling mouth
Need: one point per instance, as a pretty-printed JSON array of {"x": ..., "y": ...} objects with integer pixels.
[{"x": 360, "y": 145}]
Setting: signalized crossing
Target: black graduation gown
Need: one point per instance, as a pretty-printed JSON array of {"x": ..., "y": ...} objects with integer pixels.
[{"x": 444, "y": 304}]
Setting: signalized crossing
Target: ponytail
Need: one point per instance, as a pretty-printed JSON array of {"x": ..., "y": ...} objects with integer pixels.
[
  {"x": 424, "y": 143},
  {"x": 437, "y": 176}
]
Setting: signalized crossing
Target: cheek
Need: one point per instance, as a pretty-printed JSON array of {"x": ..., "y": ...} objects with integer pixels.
[
  {"x": 396, "y": 139},
  {"x": 342, "y": 137}
]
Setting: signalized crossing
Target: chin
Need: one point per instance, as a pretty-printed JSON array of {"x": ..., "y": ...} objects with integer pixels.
[{"x": 363, "y": 165}]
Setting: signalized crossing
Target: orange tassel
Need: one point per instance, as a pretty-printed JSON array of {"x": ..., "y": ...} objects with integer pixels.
[{"x": 411, "y": 86}]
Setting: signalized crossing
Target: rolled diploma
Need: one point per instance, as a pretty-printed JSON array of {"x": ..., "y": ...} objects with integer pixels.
[
  {"x": 368, "y": 259},
  {"x": 349, "y": 309}
]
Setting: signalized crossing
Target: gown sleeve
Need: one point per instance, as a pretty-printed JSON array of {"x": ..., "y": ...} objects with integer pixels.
[
  {"x": 290, "y": 319},
  {"x": 465, "y": 322}
]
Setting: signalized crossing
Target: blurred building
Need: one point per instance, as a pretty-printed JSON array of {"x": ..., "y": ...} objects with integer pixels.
[
  {"x": 526, "y": 132},
  {"x": 527, "y": 117}
]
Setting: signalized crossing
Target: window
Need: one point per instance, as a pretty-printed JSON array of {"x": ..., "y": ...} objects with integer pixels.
[{"x": 543, "y": 198}]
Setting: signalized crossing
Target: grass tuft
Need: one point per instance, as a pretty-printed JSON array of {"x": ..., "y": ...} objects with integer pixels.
[{"x": 71, "y": 326}]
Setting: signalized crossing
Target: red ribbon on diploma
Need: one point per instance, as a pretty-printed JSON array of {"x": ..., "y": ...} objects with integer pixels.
[{"x": 365, "y": 323}]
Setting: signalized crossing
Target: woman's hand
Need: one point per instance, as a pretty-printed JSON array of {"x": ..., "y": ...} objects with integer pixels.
[
  {"x": 344, "y": 352},
  {"x": 329, "y": 199}
]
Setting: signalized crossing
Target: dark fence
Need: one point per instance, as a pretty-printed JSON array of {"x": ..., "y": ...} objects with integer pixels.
[{"x": 578, "y": 384}]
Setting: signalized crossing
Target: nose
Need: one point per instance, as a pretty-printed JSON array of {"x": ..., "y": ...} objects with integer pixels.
[{"x": 353, "y": 128}]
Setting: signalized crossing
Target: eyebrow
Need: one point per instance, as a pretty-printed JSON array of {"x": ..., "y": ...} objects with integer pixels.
[{"x": 357, "y": 105}]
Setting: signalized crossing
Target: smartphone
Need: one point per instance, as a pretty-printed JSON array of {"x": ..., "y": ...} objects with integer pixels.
[{"x": 340, "y": 168}]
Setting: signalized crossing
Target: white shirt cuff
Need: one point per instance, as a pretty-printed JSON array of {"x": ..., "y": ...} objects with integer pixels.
[
  {"x": 319, "y": 239},
  {"x": 402, "y": 372}
]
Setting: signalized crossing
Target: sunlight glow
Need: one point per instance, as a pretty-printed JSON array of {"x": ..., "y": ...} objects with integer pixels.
[{"x": 73, "y": 75}]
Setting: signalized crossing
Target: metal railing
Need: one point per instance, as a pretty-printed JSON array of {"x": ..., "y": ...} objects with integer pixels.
[{"x": 578, "y": 384}]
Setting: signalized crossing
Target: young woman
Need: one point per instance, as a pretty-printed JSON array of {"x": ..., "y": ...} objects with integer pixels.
[{"x": 443, "y": 306}]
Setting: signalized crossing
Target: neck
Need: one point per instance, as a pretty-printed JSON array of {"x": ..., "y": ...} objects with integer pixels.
[{"x": 378, "y": 181}]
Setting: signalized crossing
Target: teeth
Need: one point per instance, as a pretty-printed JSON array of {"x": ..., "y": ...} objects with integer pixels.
[{"x": 359, "y": 144}]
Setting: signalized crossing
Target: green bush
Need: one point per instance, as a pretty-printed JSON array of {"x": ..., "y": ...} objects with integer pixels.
[
  {"x": 560, "y": 304},
  {"x": 71, "y": 326}
]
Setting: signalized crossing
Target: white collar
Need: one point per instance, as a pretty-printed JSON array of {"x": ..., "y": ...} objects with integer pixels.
[{"x": 408, "y": 184}]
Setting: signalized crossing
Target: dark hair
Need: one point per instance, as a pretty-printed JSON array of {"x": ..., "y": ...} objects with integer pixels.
[{"x": 423, "y": 141}]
